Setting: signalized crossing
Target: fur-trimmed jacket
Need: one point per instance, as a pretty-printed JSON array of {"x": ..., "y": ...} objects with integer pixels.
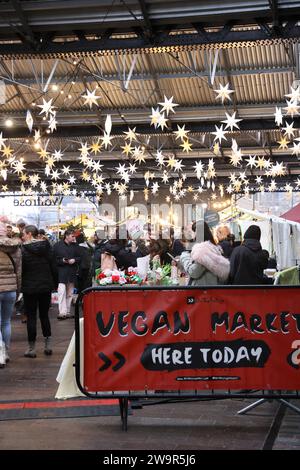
[
  {"x": 205, "y": 265},
  {"x": 10, "y": 264}
]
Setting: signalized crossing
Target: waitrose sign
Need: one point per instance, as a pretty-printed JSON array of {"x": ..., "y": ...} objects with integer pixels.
[{"x": 38, "y": 201}]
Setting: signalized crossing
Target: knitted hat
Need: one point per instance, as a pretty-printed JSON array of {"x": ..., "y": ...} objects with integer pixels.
[{"x": 253, "y": 232}]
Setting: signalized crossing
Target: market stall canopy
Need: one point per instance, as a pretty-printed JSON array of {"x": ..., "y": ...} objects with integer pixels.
[{"x": 293, "y": 214}]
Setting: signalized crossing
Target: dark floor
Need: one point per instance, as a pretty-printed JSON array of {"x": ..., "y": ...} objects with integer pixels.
[{"x": 185, "y": 426}]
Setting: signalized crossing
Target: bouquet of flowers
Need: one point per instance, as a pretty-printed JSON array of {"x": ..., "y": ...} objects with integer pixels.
[
  {"x": 113, "y": 276},
  {"x": 108, "y": 276},
  {"x": 133, "y": 277},
  {"x": 160, "y": 275}
]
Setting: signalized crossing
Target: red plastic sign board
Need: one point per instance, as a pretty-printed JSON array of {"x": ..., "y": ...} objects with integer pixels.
[{"x": 189, "y": 339}]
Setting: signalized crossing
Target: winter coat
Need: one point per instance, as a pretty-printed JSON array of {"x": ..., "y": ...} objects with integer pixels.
[
  {"x": 10, "y": 264},
  {"x": 84, "y": 278},
  {"x": 141, "y": 249},
  {"x": 66, "y": 272},
  {"x": 177, "y": 248},
  {"x": 98, "y": 250},
  {"x": 38, "y": 269},
  {"x": 247, "y": 263},
  {"x": 227, "y": 248},
  {"x": 205, "y": 265}
]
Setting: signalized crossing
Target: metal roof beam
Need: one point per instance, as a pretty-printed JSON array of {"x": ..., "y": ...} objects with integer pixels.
[
  {"x": 167, "y": 75},
  {"x": 200, "y": 38},
  {"x": 149, "y": 29},
  {"x": 28, "y": 36},
  {"x": 82, "y": 130}
]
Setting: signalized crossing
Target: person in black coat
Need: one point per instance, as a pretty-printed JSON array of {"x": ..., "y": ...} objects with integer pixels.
[
  {"x": 68, "y": 260},
  {"x": 38, "y": 281},
  {"x": 84, "y": 277},
  {"x": 248, "y": 261}
]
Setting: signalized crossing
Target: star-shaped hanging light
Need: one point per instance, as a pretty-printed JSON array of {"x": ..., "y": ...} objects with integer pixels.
[
  {"x": 289, "y": 129},
  {"x": 260, "y": 163},
  {"x": 96, "y": 147},
  {"x": 2, "y": 140},
  {"x": 186, "y": 146},
  {"x": 278, "y": 116},
  {"x": 127, "y": 149},
  {"x": 292, "y": 108},
  {"x": 52, "y": 123},
  {"x": 57, "y": 155},
  {"x": 181, "y": 133},
  {"x": 171, "y": 161},
  {"x": 296, "y": 149},
  {"x": 106, "y": 140},
  {"x": 155, "y": 188},
  {"x": 7, "y": 151},
  {"x": 251, "y": 161},
  {"x": 283, "y": 143},
  {"x": 155, "y": 116},
  {"x": 159, "y": 158},
  {"x": 199, "y": 167},
  {"x": 131, "y": 134},
  {"x": 236, "y": 158},
  {"x": 223, "y": 93},
  {"x": 295, "y": 94},
  {"x": 272, "y": 186},
  {"x": 91, "y": 98},
  {"x": 46, "y": 107},
  {"x": 162, "y": 121},
  {"x": 219, "y": 133},
  {"x": 168, "y": 105},
  {"x": 231, "y": 121}
]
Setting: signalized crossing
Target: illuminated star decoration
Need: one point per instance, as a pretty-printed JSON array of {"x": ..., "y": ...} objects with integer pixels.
[
  {"x": 91, "y": 98},
  {"x": 168, "y": 105},
  {"x": 289, "y": 129},
  {"x": 2, "y": 140},
  {"x": 283, "y": 143},
  {"x": 278, "y": 116},
  {"x": 186, "y": 146},
  {"x": 292, "y": 108},
  {"x": 131, "y": 134},
  {"x": 295, "y": 95},
  {"x": 231, "y": 121},
  {"x": 181, "y": 133},
  {"x": 155, "y": 116},
  {"x": 220, "y": 133},
  {"x": 224, "y": 92},
  {"x": 46, "y": 107}
]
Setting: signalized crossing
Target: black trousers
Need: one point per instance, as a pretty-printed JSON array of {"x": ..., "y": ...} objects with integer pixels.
[{"x": 32, "y": 303}]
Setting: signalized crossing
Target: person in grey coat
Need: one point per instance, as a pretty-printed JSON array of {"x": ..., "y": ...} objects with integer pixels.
[{"x": 205, "y": 264}]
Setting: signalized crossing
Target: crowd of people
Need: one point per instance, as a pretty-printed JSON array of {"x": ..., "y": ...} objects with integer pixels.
[{"x": 32, "y": 266}]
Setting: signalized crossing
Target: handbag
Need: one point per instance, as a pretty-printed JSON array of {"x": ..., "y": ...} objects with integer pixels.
[{"x": 108, "y": 261}]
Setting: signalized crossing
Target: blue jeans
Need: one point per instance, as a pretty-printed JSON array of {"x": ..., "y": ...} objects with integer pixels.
[{"x": 7, "y": 301}]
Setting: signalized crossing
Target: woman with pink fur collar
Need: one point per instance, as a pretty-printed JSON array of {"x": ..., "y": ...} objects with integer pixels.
[{"x": 205, "y": 264}]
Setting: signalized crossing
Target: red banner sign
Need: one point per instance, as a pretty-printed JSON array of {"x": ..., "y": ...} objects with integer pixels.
[{"x": 188, "y": 339}]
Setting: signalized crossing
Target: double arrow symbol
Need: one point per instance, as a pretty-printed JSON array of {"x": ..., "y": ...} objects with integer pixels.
[{"x": 107, "y": 361}]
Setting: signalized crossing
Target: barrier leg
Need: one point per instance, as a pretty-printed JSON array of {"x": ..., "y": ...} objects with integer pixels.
[
  {"x": 250, "y": 407},
  {"x": 290, "y": 405},
  {"x": 123, "y": 402}
]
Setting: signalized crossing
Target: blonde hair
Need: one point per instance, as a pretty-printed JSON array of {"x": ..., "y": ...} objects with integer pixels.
[{"x": 222, "y": 232}]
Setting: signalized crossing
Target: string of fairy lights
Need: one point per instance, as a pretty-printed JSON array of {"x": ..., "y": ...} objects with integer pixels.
[{"x": 136, "y": 153}]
